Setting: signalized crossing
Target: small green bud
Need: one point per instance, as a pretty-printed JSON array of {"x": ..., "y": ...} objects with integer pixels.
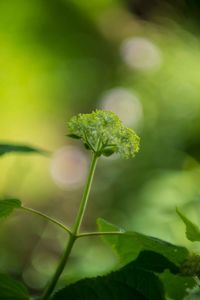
[{"x": 102, "y": 132}]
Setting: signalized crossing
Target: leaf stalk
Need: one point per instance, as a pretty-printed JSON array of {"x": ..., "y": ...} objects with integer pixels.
[{"x": 44, "y": 216}]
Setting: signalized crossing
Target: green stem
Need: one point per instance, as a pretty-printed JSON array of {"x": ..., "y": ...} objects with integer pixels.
[
  {"x": 59, "y": 269},
  {"x": 84, "y": 200},
  {"x": 33, "y": 211},
  {"x": 88, "y": 234},
  {"x": 74, "y": 233}
]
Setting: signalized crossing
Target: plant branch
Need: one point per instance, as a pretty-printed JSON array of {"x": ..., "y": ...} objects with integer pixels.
[
  {"x": 74, "y": 234},
  {"x": 88, "y": 234},
  {"x": 33, "y": 211}
]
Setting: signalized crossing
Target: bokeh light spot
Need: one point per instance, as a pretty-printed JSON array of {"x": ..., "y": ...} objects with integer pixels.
[
  {"x": 141, "y": 54},
  {"x": 69, "y": 167},
  {"x": 125, "y": 104}
]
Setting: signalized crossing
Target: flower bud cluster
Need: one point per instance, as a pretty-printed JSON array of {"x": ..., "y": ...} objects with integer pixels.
[{"x": 103, "y": 132}]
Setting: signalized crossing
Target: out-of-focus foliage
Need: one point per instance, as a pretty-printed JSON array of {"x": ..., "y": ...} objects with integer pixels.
[
  {"x": 12, "y": 289},
  {"x": 141, "y": 60},
  {"x": 7, "y": 148},
  {"x": 7, "y": 206}
]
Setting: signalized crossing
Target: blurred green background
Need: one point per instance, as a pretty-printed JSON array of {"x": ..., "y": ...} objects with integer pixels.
[{"x": 140, "y": 59}]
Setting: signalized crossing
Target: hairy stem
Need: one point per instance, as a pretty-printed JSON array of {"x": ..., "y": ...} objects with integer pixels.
[{"x": 74, "y": 234}]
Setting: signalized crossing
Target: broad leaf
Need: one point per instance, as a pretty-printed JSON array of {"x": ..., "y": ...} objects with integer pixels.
[
  {"x": 128, "y": 245},
  {"x": 7, "y": 148},
  {"x": 134, "y": 281},
  {"x": 177, "y": 286},
  {"x": 192, "y": 230},
  {"x": 11, "y": 289},
  {"x": 7, "y": 206},
  {"x": 155, "y": 262}
]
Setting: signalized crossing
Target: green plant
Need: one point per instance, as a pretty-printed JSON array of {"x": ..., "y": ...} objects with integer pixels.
[{"x": 148, "y": 268}]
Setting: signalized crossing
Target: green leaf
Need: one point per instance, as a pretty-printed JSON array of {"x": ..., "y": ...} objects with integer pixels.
[
  {"x": 11, "y": 289},
  {"x": 134, "y": 281},
  {"x": 192, "y": 230},
  {"x": 87, "y": 147},
  {"x": 177, "y": 286},
  {"x": 108, "y": 151},
  {"x": 7, "y": 206},
  {"x": 7, "y": 148},
  {"x": 73, "y": 136},
  {"x": 128, "y": 245},
  {"x": 155, "y": 262}
]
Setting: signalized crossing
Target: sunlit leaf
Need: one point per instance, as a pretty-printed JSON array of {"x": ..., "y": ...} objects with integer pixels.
[
  {"x": 134, "y": 281},
  {"x": 7, "y": 148},
  {"x": 7, "y": 206},
  {"x": 11, "y": 289},
  {"x": 129, "y": 244},
  {"x": 192, "y": 230}
]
